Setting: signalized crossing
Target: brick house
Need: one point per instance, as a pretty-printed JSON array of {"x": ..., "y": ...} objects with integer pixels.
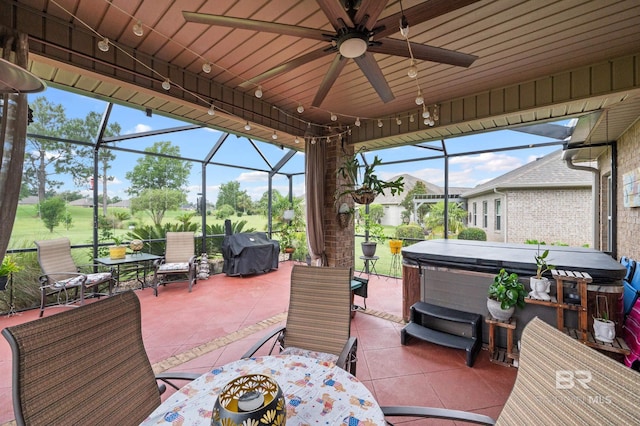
[{"x": 544, "y": 200}]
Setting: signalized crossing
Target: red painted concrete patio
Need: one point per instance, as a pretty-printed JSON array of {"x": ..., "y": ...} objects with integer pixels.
[{"x": 223, "y": 316}]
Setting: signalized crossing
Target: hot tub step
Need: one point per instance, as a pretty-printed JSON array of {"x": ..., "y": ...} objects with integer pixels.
[{"x": 420, "y": 327}]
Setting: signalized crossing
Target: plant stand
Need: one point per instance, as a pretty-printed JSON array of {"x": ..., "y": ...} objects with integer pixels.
[{"x": 499, "y": 356}]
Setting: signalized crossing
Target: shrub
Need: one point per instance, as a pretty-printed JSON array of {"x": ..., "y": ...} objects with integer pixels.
[
  {"x": 411, "y": 231},
  {"x": 224, "y": 212},
  {"x": 476, "y": 234}
]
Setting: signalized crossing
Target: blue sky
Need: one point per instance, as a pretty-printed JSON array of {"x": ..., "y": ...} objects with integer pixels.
[{"x": 464, "y": 171}]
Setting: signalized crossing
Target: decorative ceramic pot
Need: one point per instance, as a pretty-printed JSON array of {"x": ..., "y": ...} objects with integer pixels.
[
  {"x": 369, "y": 248},
  {"x": 540, "y": 288},
  {"x": 604, "y": 330},
  {"x": 251, "y": 399},
  {"x": 497, "y": 312},
  {"x": 117, "y": 252}
]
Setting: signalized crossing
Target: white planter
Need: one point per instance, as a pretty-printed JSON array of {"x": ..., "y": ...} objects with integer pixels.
[
  {"x": 540, "y": 288},
  {"x": 497, "y": 312},
  {"x": 604, "y": 330}
]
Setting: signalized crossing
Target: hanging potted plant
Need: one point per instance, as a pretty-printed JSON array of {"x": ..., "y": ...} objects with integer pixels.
[
  {"x": 363, "y": 184},
  {"x": 603, "y": 328},
  {"x": 539, "y": 284},
  {"x": 505, "y": 293},
  {"x": 7, "y": 267}
]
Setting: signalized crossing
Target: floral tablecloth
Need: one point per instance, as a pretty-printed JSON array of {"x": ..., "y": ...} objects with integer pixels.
[{"x": 317, "y": 393}]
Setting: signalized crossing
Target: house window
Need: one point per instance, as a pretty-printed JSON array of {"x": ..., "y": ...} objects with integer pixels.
[
  {"x": 485, "y": 219},
  {"x": 498, "y": 207},
  {"x": 475, "y": 213}
]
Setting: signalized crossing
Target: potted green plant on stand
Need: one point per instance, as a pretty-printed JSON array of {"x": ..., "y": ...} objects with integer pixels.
[
  {"x": 603, "y": 328},
  {"x": 539, "y": 284},
  {"x": 374, "y": 233},
  {"x": 7, "y": 267},
  {"x": 505, "y": 293},
  {"x": 363, "y": 184},
  {"x": 118, "y": 250}
]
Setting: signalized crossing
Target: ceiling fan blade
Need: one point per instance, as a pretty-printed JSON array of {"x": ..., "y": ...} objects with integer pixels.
[
  {"x": 330, "y": 77},
  {"x": 418, "y": 14},
  {"x": 372, "y": 71},
  {"x": 372, "y": 8},
  {"x": 287, "y": 66},
  {"x": 334, "y": 10},
  {"x": 260, "y": 26},
  {"x": 424, "y": 52}
]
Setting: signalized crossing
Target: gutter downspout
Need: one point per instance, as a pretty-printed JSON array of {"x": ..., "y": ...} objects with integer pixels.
[
  {"x": 504, "y": 214},
  {"x": 595, "y": 194}
]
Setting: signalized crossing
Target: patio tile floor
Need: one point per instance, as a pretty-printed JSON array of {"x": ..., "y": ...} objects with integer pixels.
[{"x": 223, "y": 316}]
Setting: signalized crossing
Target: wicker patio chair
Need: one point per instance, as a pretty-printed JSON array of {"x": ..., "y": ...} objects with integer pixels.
[
  {"x": 60, "y": 275},
  {"x": 179, "y": 259},
  {"x": 319, "y": 319},
  {"x": 85, "y": 366},
  {"x": 560, "y": 381}
]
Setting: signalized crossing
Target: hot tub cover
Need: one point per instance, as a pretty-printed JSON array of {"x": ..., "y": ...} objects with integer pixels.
[{"x": 249, "y": 253}]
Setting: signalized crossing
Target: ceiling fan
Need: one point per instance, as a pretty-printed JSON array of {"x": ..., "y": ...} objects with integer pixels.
[{"x": 358, "y": 35}]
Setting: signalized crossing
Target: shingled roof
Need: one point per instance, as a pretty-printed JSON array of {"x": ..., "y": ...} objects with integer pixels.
[
  {"x": 549, "y": 171},
  {"x": 409, "y": 182}
]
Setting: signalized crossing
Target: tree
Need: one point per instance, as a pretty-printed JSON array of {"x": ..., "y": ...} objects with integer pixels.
[
  {"x": 456, "y": 216},
  {"x": 376, "y": 212},
  {"x": 418, "y": 189},
  {"x": 228, "y": 194},
  {"x": 159, "y": 171},
  {"x": 52, "y": 212},
  {"x": 155, "y": 202}
]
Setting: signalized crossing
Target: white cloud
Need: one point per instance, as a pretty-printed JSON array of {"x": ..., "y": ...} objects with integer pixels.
[
  {"x": 139, "y": 128},
  {"x": 252, "y": 177},
  {"x": 489, "y": 161}
]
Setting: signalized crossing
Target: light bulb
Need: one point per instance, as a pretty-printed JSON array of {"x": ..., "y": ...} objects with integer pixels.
[
  {"x": 398, "y": 121},
  {"x": 211, "y": 110},
  {"x": 296, "y": 140},
  {"x": 333, "y": 117},
  {"x": 313, "y": 141},
  {"x": 426, "y": 121},
  {"x": 419, "y": 99},
  {"x": 411, "y": 119},
  {"x": 425, "y": 113},
  {"x": 300, "y": 109},
  {"x": 412, "y": 72},
  {"x": 166, "y": 85},
  {"x": 404, "y": 28},
  {"x": 137, "y": 29},
  {"x": 357, "y": 123},
  {"x": 259, "y": 92},
  {"x": 104, "y": 44},
  {"x": 206, "y": 67},
  {"x": 435, "y": 112},
  {"x": 247, "y": 126},
  {"x": 379, "y": 123},
  {"x": 274, "y": 136},
  {"x": 431, "y": 122}
]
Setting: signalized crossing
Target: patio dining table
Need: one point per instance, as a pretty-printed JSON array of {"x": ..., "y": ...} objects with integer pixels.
[{"x": 316, "y": 392}]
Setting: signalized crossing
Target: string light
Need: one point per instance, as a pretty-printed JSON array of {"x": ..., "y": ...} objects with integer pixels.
[
  {"x": 296, "y": 140},
  {"x": 419, "y": 98},
  {"x": 247, "y": 126},
  {"x": 357, "y": 123},
  {"x": 412, "y": 72},
  {"x": 137, "y": 29},
  {"x": 259, "y": 92},
  {"x": 379, "y": 123},
  {"x": 166, "y": 84},
  {"x": 300, "y": 109},
  {"x": 411, "y": 119},
  {"x": 425, "y": 112},
  {"x": 211, "y": 110},
  {"x": 313, "y": 141},
  {"x": 398, "y": 121},
  {"x": 274, "y": 136},
  {"x": 104, "y": 44},
  {"x": 334, "y": 117},
  {"x": 206, "y": 67}
]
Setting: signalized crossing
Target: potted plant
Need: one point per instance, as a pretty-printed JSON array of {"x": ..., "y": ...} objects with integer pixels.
[
  {"x": 603, "y": 328},
  {"x": 7, "y": 267},
  {"x": 363, "y": 184},
  {"x": 286, "y": 239},
  {"x": 540, "y": 285},
  {"x": 118, "y": 250},
  {"x": 373, "y": 230},
  {"x": 505, "y": 293},
  {"x": 344, "y": 215}
]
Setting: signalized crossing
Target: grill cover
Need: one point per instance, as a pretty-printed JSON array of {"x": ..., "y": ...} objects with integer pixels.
[{"x": 248, "y": 253}]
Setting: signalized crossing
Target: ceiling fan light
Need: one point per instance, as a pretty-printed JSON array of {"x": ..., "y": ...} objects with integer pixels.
[
  {"x": 353, "y": 46},
  {"x": 166, "y": 85},
  {"x": 103, "y": 45},
  {"x": 259, "y": 92},
  {"x": 206, "y": 67},
  {"x": 137, "y": 29},
  {"x": 300, "y": 109},
  {"x": 247, "y": 126}
]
